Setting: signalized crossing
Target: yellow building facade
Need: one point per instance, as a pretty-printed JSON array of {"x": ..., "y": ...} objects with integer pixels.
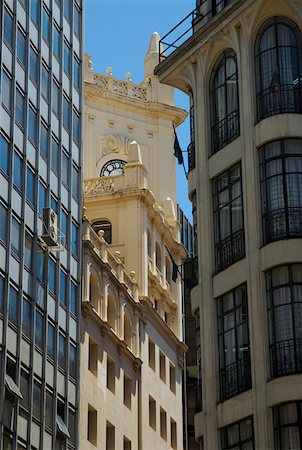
[{"x": 131, "y": 341}]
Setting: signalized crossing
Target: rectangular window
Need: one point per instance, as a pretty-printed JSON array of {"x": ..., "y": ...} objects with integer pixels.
[
  {"x": 42, "y": 197},
  {"x": 72, "y": 360},
  {"x": 77, "y": 21},
  {"x": 228, "y": 218},
  {"x": 49, "y": 410},
  {"x": 28, "y": 251},
  {"x": 152, "y": 413},
  {"x": 8, "y": 28},
  {"x": 33, "y": 65},
  {"x": 162, "y": 366},
  {"x": 45, "y": 82},
  {"x": 73, "y": 298},
  {"x": 32, "y": 125},
  {"x": 127, "y": 444},
  {"x": 4, "y": 151},
  {"x": 2, "y": 293},
  {"x": 56, "y": 43},
  {"x": 6, "y": 92},
  {"x": 76, "y": 127},
  {"x": 127, "y": 390},
  {"x": 18, "y": 171},
  {"x": 163, "y": 424},
  {"x": 20, "y": 109},
  {"x": 37, "y": 400},
  {"x": 92, "y": 356},
  {"x": 52, "y": 276},
  {"x": 234, "y": 348},
  {"x": 21, "y": 47},
  {"x": 173, "y": 430},
  {"x": 172, "y": 378},
  {"x": 13, "y": 305},
  {"x": 110, "y": 374},
  {"x": 66, "y": 59},
  {"x": 66, "y": 114},
  {"x": 16, "y": 237},
  {"x": 110, "y": 436},
  {"x": 64, "y": 227},
  {"x": 72, "y": 427},
  {"x": 76, "y": 73},
  {"x": 50, "y": 340},
  {"x": 39, "y": 330},
  {"x": 34, "y": 10},
  {"x": 62, "y": 352},
  {"x": 63, "y": 287},
  {"x": 3, "y": 223},
  {"x": 30, "y": 186},
  {"x": 24, "y": 388},
  {"x": 67, "y": 9},
  {"x": 239, "y": 435},
  {"x": 65, "y": 169},
  {"x": 92, "y": 425},
  {"x": 75, "y": 181},
  {"x": 151, "y": 354},
  {"x": 54, "y": 155},
  {"x": 55, "y": 98},
  {"x": 44, "y": 142},
  {"x": 74, "y": 239},
  {"x": 45, "y": 25},
  {"x": 26, "y": 317}
]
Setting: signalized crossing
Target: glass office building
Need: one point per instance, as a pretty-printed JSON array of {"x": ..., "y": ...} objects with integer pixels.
[{"x": 40, "y": 215}]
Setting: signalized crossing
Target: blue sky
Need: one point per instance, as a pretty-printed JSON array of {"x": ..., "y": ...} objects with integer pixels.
[{"x": 117, "y": 34}]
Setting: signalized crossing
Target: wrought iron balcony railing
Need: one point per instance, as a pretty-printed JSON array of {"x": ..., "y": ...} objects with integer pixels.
[
  {"x": 229, "y": 250},
  {"x": 280, "y": 99},
  {"x": 225, "y": 131},
  {"x": 194, "y": 21},
  {"x": 282, "y": 224},
  {"x": 236, "y": 377},
  {"x": 191, "y": 156},
  {"x": 286, "y": 357}
]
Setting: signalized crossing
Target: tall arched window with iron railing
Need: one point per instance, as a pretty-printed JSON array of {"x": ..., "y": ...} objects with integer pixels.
[
  {"x": 191, "y": 146},
  {"x": 278, "y": 62},
  {"x": 224, "y": 101}
]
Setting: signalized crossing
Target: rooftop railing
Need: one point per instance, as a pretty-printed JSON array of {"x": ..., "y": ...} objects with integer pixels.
[{"x": 193, "y": 22}]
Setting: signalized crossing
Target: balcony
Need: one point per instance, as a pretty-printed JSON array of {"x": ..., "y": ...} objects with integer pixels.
[
  {"x": 286, "y": 357},
  {"x": 225, "y": 131},
  {"x": 195, "y": 21},
  {"x": 229, "y": 250},
  {"x": 236, "y": 377},
  {"x": 280, "y": 99},
  {"x": 282, "y": 224},
  {"x": 191, "y": 156}
]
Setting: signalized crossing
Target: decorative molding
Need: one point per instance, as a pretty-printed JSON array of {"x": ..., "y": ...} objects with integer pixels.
[
  {"x": 111, "y": 143},
  {"x": 99, "y": 186}
]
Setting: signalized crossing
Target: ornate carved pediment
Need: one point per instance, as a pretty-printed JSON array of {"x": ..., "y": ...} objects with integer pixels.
[{"x": 112, "y": 144}]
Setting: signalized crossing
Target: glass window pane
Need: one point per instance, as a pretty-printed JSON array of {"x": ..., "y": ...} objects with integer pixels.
[
  {"x": 65, "y": 169},
  {"x": 72, "y": 360},
  {"x": 20, "y": 109},
  {"x": 39, "y": 330},
  {"x": 18, "y": 166},
  {"x": 75, "y": 182},
  {"x": 56, "y": 42},
  {"x": 52, "y": 276},
  {"x": 37, "y": 397},
  {"x": 42, "y": 197},
  {"x": 26, "y": 317},
  {"x": 8, "y": 33},
  {"x": 55, "y": 98},
  {"x": 76, "y": 127},
  {"x": 66, "y": 114},
  {"x": 33, "y": 65},
  {"x": 45, "y": 82},
  {"x": 30, "y": 186},
  {"x": 16, "y": 237},
  {"x": 45, "y": 25},
  {"x": 63, "y": 287},
  {"x": 50, "y": 340},
  {"x": 4, "y": 151},
  {"x": 21, "y": 48},
  {"x": 49, "y": 410},
  {"x": 44, "y": 142},
  {"x": 62, "y": 352},
  {"x": 73, "y": 298},
  {"x": 55, "y": 156},
  {"x": 13, "y": 305},
  {"x": 66, "y": 59},
  {"x": 6, "y": 91},
  {"x": 2, "y": 284},
  {"x": 3, "y": 223},
  {"x": 32, "y": 125},
  {"x": 74, "y": 238},
  {"x": 28, "y": 251}
]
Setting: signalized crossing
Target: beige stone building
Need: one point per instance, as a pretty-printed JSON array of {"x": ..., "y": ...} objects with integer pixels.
[
  {"x": 131, "y": 340},
  {"x": 241, "y": 63}
]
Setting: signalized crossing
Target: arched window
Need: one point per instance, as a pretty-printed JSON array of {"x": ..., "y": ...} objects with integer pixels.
[
  {"x": 94, "y": 292},
  {"x": 278, "y": 53},
  {"x": 111, "y": 312},
  {"x": 224, "y": 101},
  {"x": 106, "y": 226},
  {"x": 127, "y": 331},
  {"x": 157, "y": 256}
]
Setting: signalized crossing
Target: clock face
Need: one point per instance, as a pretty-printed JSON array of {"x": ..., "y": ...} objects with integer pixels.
[{"x": 113, "y": 167}]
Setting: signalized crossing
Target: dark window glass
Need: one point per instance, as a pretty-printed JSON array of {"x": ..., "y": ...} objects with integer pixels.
[
  {"x": 20, "y": 108},
  {"x": 224, "y": 101},
  {"x": 72, "y": 360},
  {"x": 62, "y": 352},
  {"x": 63, "y": 287},
  {"x": 44, "y": 142},
  {"x": 52, "y": 276},
  {"x": 18, "y": 169},
  {"x": 67, "y": 9},
  {"x": 40, "y": 265},
  {"x": 65, "y": 169},
  {"x": 54, "y": 155},
  {"x": 239, "y": 435},
  {"x": 6, "y": 91},
  {"x": 2, "y": 284},
  {"x": 55, "y": 98},
  {"x": 281, "y": 189},
  {"x": 13, "y": 305},
  {"x": 42, "y": 197},
  {"x": 45, "y": 82},
  {"x": 23, "y": 3},
  {"x": 76, "y": 73},
  {"x": 284, "y": 299},
  {"x": 66, "y": 114},
  {"x": 8, "y": 28},
  {"x": 25, "y": 390},
  {"x": 3, "y": 223},
  {"x": 54, "y": 204},
  {"x": 45, "y": 25},
  {"x": 49, "y": 410},
  {"x": 28, "y": 251},
  {"x": 66, "y": 59},
  {"x": 50, "y": 340},
  {"x": 56, "y": 42},
  {"x": 4, "y": 151},
  {"x": 72, "y": 427},
  {"x": 74, "y": 239},
  {"x": 278, "y": 56},
  {"x": 76, "y": 21},
  {"x": 26, "y": 317},
  {"x": 33, "y": 65},
  {"x": 32, "y": 125},
  {"x": 64, "y": 227},
  {"x": 34, "y": 10},
  {"x": 30, "y": 186},
  {"x": 288, "y": 426},
  {"x": 37, "y": 400},
  {"x": 73, "y": 298},
  {"x": 234, "y": 347},
  {"x": 16, "y": 237},
  {"x": 39, "y": 330},
  {"x": 228, "y": 218},
  {"x": 76, "y": 127},
  {"x": 75, "y": 181},
  {"x": 21, "y": 47},
  {"x": 106, "y": 226}
]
